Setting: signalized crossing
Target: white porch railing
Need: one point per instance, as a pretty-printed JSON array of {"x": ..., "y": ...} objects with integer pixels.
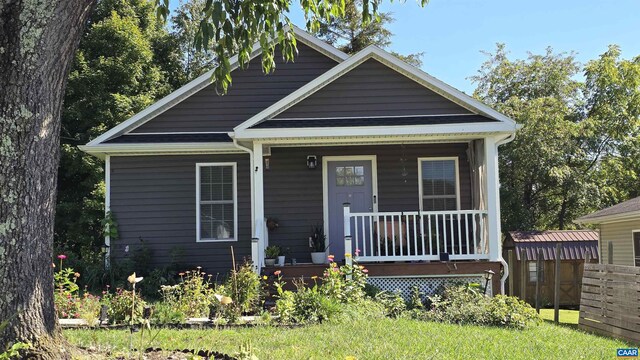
[{"x": 417, "y": 235}]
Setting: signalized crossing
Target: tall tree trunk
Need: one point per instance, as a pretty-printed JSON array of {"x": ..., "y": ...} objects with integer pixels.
[{"x": 38, "y": 40}]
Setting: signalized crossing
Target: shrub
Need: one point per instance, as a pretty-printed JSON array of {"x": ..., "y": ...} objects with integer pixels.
[
  {"x": 467, "y": 305},
  {"x": 65, "y": 297},
  {"x": 416, "y": 300},
  {"x": 119, "y": 306},
  {"x": 165, "y": 313},
  {"x": 195, "y": 293},
  {"x": 336, "y": 285},
  {"x": 244, "y": 287},
  {"x": 89, "y": 308},
  {"x": 305, "y": 305},
  {"x": 392, "y": 302}
]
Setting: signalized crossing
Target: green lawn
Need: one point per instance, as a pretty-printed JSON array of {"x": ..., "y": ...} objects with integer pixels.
[
  {"x": 375, "y": 339},
  {"x": 566, "y": 316}
]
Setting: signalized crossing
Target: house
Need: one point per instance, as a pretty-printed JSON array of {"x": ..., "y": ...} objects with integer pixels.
[
  {"x": 525, "y": 246},
  {"x": 409, "y": 155},
  {"x": 619, "y": 230}
]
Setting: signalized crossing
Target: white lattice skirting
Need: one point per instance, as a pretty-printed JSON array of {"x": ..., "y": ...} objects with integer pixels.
[{"x": 427, "y": 284}]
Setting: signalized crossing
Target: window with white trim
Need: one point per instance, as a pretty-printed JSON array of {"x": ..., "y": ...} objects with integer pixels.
[
  {"x": 216, "y": 197},
  {"x": 439, "y": 184}
]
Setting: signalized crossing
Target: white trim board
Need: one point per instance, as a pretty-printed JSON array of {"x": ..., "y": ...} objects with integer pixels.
[
  {"x": 203, "y": 81},
  {"x": 234, "y": 166},
  {"x": 325, "y": 183},
  {"x": 633, "y": 246},
  {"x": 372, "y": 52}
]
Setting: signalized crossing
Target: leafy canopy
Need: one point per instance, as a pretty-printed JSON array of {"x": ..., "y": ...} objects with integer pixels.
[{"x": 575, "y": 152}]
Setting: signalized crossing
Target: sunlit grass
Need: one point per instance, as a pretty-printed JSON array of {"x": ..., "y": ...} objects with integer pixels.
[{"x": 374, "y": 339}]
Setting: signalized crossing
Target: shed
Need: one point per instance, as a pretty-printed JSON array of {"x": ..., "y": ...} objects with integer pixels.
[{"x": 526, "y": 245}]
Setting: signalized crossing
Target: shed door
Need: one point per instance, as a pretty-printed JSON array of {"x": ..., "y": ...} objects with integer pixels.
[{"x": 348, "y": 182}]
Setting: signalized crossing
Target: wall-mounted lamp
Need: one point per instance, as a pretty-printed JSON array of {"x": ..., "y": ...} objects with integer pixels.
[{"x": 312, "y": 162}]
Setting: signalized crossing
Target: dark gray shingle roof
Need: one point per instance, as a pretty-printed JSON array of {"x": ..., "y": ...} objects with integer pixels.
[
  {"x": 169, "y": 138},
  {"x": 628, "y": 206}
]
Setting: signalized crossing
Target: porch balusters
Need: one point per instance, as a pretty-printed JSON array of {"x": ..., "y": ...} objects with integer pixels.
[{"x": 416, "y": 235}]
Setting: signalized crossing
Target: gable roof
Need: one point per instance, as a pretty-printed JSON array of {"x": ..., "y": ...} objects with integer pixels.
[
  {"x": 626, "y": 210},
  {"x": 391, "y": 61},
  {"x": 203, "y": 81}
]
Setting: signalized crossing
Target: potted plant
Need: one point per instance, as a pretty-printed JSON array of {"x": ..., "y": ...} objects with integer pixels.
[
  {"x": 317, "y": 243},
  {"x": 271, "y": 253}
]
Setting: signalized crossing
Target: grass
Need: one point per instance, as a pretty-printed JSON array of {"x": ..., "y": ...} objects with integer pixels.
[
  {"x": 374, "y": 339},
  {"x": 566, "y": 316}
]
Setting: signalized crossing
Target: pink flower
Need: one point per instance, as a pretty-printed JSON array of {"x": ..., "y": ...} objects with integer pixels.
[
  {"x": 357, "y": 252},
  {"x": 277, "y": 273},
  {"x": 330, "y": 258},
  {"x": 62, "y": 256},
  {"x": 365, "y": 271}
]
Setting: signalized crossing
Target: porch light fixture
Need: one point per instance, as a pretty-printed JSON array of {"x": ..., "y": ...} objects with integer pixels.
[
  {"x": 312, "y": 162},
  {"x": 104, "y": 248},
  {"x": 488, "y": 275}
]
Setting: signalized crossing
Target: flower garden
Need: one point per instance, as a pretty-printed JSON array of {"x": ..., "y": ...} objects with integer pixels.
[{"x": 247, "y": 316}]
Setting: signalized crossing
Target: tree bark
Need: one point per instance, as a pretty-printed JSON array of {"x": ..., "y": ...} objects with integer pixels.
[{"x": 38, "y": 40}]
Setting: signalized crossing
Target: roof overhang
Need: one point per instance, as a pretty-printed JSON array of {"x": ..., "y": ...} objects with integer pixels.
[
  {"x": 203, "y": 81},
  {"x": 468, "y": 130},
  {"x": 627, "y": 216},
  {"x": 102, "y": 150}
]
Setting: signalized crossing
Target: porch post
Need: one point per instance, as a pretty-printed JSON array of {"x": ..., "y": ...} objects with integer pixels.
[
  {"x": 493, "y": 197},
  {"x": 348, "y": 256},
  {"x": 258, "y": 196},
  {"x": 107, "y": 209}
]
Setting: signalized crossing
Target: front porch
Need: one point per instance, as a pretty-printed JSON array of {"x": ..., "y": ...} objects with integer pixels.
[{"x": 393, "y": 223}]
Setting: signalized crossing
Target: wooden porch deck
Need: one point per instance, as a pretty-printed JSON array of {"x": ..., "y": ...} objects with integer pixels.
[{"x": 397, "y": 270}]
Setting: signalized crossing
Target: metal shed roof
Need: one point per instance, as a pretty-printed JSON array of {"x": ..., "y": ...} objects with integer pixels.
[{"x": 575, "y": 244}]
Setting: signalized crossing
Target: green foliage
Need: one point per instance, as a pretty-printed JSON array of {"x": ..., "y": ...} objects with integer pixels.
[
  {"x": 350, "y": 34},
  {"x": 244, "y": 287},
  {"x": 272, "y": 251},
  {"x": 318, "y": 239},
  {"x": 164, "y": 312},
  {"x": 337, "y": 285},
  {"x": 467, "y": 305},
  {"x": 185, "y": 23},
  {"x": 306, "y": 305},
  {"x": 66, "y": 300},
  {"x": 583, "y": 135},
  {"x": 416, "y": 298},
  {"x": 126, "y": 60},
  {"x": 13, "y": 351},
  {"x": 120, "y": 304},
  {"x": 392, "y": 302},
  {"x": 192, "y": 296}
]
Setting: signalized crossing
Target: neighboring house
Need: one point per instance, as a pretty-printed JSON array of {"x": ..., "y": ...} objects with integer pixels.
[
  {"x": 523, "y": 272},
  {"x": 415, "y": 158},
  {"x": 619, "y": 226}
]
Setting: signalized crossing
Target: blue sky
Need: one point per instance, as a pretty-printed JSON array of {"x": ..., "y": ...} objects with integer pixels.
[{"x": 452, "y": 33}]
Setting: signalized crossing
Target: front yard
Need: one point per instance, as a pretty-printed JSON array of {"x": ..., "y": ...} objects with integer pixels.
[{"x": 371, "y": 339}]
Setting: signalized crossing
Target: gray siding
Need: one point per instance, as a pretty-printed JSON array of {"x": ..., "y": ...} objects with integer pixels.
[
  {"x": 372, "y": 89},
  {"x": 251, "y": 92},
  {"x": 293, "y": 193},
  {"x": 154, "y": 199},
  {"x": 620, "y": 234}
]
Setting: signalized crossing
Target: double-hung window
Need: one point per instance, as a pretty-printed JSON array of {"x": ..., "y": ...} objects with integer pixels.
[
  {"x": 439, "y": 189},
  {"x": 216, "y": 202}
]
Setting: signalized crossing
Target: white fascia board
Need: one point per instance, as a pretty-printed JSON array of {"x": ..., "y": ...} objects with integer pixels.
[
  {"x": 373, "y": 52},
  {"x": 158, "y": 148},
  {"x": 398, "y": 130},
  {"x": 319, "y": 45},
  {"x": 203, "y": 81},
  {"x": 634, "y": 215}
]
